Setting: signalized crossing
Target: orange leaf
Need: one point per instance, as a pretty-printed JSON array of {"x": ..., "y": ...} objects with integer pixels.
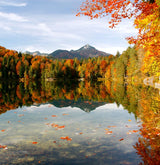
[
  {"x": 129, "y": 133},
  {"x": 109, "y": 132},
  {"x": 134, "y": 131},
  {"x": 65, "y": 114},
  {"x": 54, "y": 115},
  {"x": 34, "y": 142},
  {"x": 111, "y": 126},
  {"x": 121, "y": 139},
  {"x": 61, "y": 127},
  {"x": 2, "y": 130},
  {"x": 66, "y": 138},
  {"x": 4, "y": 147},
  {"x": 21, "y": 115}
]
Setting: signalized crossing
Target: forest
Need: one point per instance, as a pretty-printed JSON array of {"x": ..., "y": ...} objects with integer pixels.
[{"x": 125, "y": 67}]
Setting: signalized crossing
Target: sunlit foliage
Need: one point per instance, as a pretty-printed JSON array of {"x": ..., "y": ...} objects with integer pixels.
[{"x": 146, "y": 16}]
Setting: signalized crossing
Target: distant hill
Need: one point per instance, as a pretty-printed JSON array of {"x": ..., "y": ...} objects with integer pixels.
[
  {"x": 64, "y": 54},
  {"x": 36, "y": 53},
  {"x": 84, "y": 52}
]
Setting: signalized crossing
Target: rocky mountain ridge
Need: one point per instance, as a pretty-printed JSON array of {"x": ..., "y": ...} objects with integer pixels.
[{"x": 84, "y": 52}]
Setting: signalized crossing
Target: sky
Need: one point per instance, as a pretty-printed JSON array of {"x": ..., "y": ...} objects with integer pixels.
[{"x": 48, "y": 25}]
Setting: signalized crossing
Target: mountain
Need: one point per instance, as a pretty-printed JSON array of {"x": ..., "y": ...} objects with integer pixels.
[
  {"x": 84, "y": 52},
  {"x": 64, "y": 54},
  {"x": 89, "y": 51}
]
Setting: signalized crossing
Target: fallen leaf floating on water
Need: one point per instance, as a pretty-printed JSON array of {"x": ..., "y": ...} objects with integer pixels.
[
  {"x": 20, "y": 115},
  {"x": 64, "y": 114},
  {"x": 61, "y": 127},
  {"x": 34, "y": 142},
  {"x": 132, "y": 131},
  {"x": 66, "y": 138},
  {"x": 54, "y": 142},
  {"x": 53, "y": 125},
  {"x": 78, "y": 133},
  {"x": 2, "y": 130},
  {"x": 4, "y": 147},
  {"x": 45, "y": 118},
  {"x": 129, "y": 133},
  {"x": 54, "y": 115},
  {"x": 108, "y": 132},
  {"x": 121, "y": 139},
  {"x": 130, "y": 120},
  {"x": 111, "y": 126}
]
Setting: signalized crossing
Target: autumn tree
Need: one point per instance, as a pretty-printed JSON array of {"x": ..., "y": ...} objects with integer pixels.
[{"x": 146, "y": 16}]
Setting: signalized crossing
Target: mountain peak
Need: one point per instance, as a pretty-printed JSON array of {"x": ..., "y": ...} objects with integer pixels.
[{"x": 87, "y": 47}]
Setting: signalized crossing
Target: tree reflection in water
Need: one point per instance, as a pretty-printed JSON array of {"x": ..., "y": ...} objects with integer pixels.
[{"x": 143, "y": 102}]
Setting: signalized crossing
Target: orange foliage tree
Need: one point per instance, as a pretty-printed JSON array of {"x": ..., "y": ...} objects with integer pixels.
[{"x": 146, "y": 14}]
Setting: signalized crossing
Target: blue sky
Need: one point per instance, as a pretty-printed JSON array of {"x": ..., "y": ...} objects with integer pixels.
[{"x": 48, "y": 25}]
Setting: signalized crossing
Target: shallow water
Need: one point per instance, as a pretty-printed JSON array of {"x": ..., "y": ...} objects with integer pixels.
[{"x": 102, "y": 136}]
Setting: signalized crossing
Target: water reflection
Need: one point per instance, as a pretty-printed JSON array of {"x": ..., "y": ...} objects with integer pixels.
[{"x": 52, "y": 125}]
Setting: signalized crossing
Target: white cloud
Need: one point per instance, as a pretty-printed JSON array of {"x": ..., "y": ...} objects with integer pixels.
[
  {"x": 112, "y": 48},
  {"x": 13, "y": 17},
  {"x": 4, "y": 27},
  {"x": 11, "y": 3},
  {"x": 47, "y": 33}
]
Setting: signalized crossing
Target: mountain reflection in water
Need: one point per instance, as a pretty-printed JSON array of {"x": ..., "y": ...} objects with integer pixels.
[{"x": 46, "y": 123}]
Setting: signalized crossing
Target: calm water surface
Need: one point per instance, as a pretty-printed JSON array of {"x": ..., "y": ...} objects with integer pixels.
[
  {"x": 69, "y": 130},
  {"x": 102, "y": 136}
]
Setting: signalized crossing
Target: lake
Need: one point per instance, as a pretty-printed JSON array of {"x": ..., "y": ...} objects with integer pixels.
[{"x": 79, "y": 123}]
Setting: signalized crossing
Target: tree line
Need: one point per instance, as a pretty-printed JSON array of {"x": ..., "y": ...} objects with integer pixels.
[{"x": 15, "y": 65}]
